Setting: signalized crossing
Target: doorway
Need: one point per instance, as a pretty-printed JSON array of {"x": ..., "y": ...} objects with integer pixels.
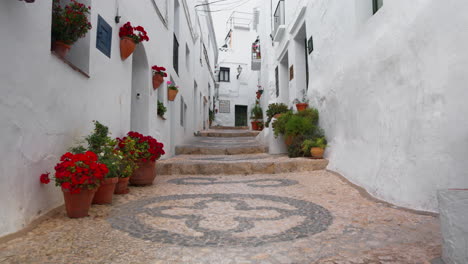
[
  {"x": 139, "y": 113},
  {"x": 240, "y": 115}
]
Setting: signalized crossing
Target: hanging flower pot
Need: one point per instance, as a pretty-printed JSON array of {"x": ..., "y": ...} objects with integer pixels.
[
  {"x": 259, "y": 95},
  {"x": 78, "y": 204},
  {"x": 171, "y": 94},
  {"x": 122, "y": 186},
  {"x": 127, "y": 47},
  {"x": 157, "y": 81},
  {"x": 60, "y": 48},
  {"x": 302, "y": 106},
  {"x": 129, "y": 37},
  {"x": 105, "y": 191}
]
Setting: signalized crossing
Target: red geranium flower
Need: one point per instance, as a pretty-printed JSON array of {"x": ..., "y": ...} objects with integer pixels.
[{"x": 45, "y": 178}]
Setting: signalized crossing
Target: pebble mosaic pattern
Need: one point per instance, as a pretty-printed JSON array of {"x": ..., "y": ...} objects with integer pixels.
[
  {"x": 212, "y": 224},
  {"x": 258, "y": 183}
]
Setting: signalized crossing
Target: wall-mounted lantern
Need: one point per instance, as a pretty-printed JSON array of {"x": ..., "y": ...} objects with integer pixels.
[{"x": 239, "y": 71}]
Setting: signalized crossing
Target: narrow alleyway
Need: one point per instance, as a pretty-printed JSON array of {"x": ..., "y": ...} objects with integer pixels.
[{"x": 224, "y": 200}]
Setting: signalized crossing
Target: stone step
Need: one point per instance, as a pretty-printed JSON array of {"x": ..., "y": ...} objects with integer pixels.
[
  {"x": 229, "y": 133},
  {"x": 221, "y": 146},
  {"x": 236, "y": 164},
  {"x": 230, "y": 127}
]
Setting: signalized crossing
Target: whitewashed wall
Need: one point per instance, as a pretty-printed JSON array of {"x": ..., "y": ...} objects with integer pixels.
[
  {"x": 239, "y": 91},
  {"x": 391, "y": 93},
  {"x": 46, "y": 106}
]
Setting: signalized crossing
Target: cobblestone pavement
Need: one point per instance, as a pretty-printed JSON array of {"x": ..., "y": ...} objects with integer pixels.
[{"x": 313, "y": 217}]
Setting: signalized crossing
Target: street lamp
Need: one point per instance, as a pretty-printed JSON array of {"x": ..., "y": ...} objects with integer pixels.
[{"x": 239, "y": 70}]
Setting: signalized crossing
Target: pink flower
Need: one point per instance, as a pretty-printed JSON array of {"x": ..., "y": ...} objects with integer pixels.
[{"x": 169, "y": 82}]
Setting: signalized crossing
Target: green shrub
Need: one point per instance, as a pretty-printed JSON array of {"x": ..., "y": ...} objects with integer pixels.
[
  {"x": 311, "y": 114},
  {"x": 298, "y": 125},
  {"x": 161, "y": 109},
  {"x": 273, "y": 109},
  {"x": 279, "y": 125},
  {"x": 256, "y": 112}
]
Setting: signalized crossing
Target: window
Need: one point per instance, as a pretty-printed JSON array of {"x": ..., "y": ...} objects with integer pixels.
[
  {"x": 104, "y": 37},
  {"x": 277, "y": 81},
  {"x": 377, "y": 4},
  {"x": 278, "y": 16},
  {"x": 224, "y": 74},
  {"x": 175, "y": 55}
]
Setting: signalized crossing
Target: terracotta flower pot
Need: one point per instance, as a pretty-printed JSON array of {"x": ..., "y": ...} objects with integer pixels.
[
  {"x": 145, "y": 174},
  {"x": 259, "y": 95},
  {"x": 78, "y": 204},
  {"x": 105, "y": 191},
  {"x": 158, "y": 79},
  {"x": 171, "y": 94},
  {"x": 317, "y": 153},
  {"x": 122, "y": 186},
  {"x": 288, "y": 140},
  {"x": 60, "y": 48},
  {"x": 254, "y": 125},
  {"x": 302, "y": 106},
  {"x": 127, "y": 47}
]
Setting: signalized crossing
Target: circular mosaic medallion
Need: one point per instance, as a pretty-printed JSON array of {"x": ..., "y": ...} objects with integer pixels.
[
  {"x": 259, "y": 183},
  {"x": 216, "y": 220}
]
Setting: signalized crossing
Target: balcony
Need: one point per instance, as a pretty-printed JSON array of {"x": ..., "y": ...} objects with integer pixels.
[
  {"x": 256, "y": 56},
  {"x": 279, "y": 19}
]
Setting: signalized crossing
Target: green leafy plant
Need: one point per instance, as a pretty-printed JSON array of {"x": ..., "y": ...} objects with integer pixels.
[
  {"x": 273, "y": 109},
  {"x": 211, "y": 115},
  {"x": 279, "y": 125},
  {"x": 161, "y": 109},
  {"x": 69, "y": 23},
  {"x": 129, "y": 158},
  {"x": 319, "y": 142},
  {"x": 104, "y": 146},
  {"x": 256, "y": 112},
  {"x": 172, "y": 86},
  {"x": 310, "y": 114},
  {"x": 295, "y": 149},
  {"x": 298, "y": 125}
]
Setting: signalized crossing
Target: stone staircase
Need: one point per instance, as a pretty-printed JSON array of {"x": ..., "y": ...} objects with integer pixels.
[{"x": 231, "y": 151}]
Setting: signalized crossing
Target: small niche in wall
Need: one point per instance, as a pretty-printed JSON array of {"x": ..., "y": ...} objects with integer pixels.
[{"x": 79, "y": 54}]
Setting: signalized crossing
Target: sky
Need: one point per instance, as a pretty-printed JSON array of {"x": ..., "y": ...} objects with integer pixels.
[{"x": 223, "y": 9}]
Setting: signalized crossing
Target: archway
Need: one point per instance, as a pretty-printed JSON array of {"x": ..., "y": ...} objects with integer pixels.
[{"x": 139, "y": 117}]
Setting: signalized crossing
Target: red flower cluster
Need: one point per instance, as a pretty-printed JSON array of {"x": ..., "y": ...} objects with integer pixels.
[
  {"x": 71, "y": 22},
  {"x": 78, "y": 171},
  {"x": 159, "y": 70},
  {"x": 148, "y": 148},
  {"x": 45, "y": 178},
  {"x": 138, "y": 34}
]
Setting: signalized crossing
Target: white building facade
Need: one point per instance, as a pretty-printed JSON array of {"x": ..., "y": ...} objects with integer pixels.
[
  {"x": 237, "y": 81},
  {"x": 388, "y": 78},
  {"x": 48, "y": 104}
]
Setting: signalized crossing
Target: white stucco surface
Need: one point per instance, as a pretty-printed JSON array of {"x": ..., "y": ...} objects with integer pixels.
[
  {"x": 390, "y": 89},
  {"x": 453, "y": 208},
  {"x": 46, "y": 106}
]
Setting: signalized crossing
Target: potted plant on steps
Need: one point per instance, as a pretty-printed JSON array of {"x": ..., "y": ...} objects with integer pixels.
[
  {"x": 315, "y": 146},
  {"x": 69, "y": 24},
  {"x": 158, "y": 76},
  {"x": 303, "y": 103},
  {"x": 79, "y": 176},
  {"x": 256, "y": 115},
  {"x": 129, "y": 37},
  {"x": 211, "y": 117},
  {"x": 104, "y": 146},
  {"x": 172, "y": 91},
  {"x": 148, "y": 151},
  {"x": 274, "y": 111},
  {"x": 127, "y": 164}
]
